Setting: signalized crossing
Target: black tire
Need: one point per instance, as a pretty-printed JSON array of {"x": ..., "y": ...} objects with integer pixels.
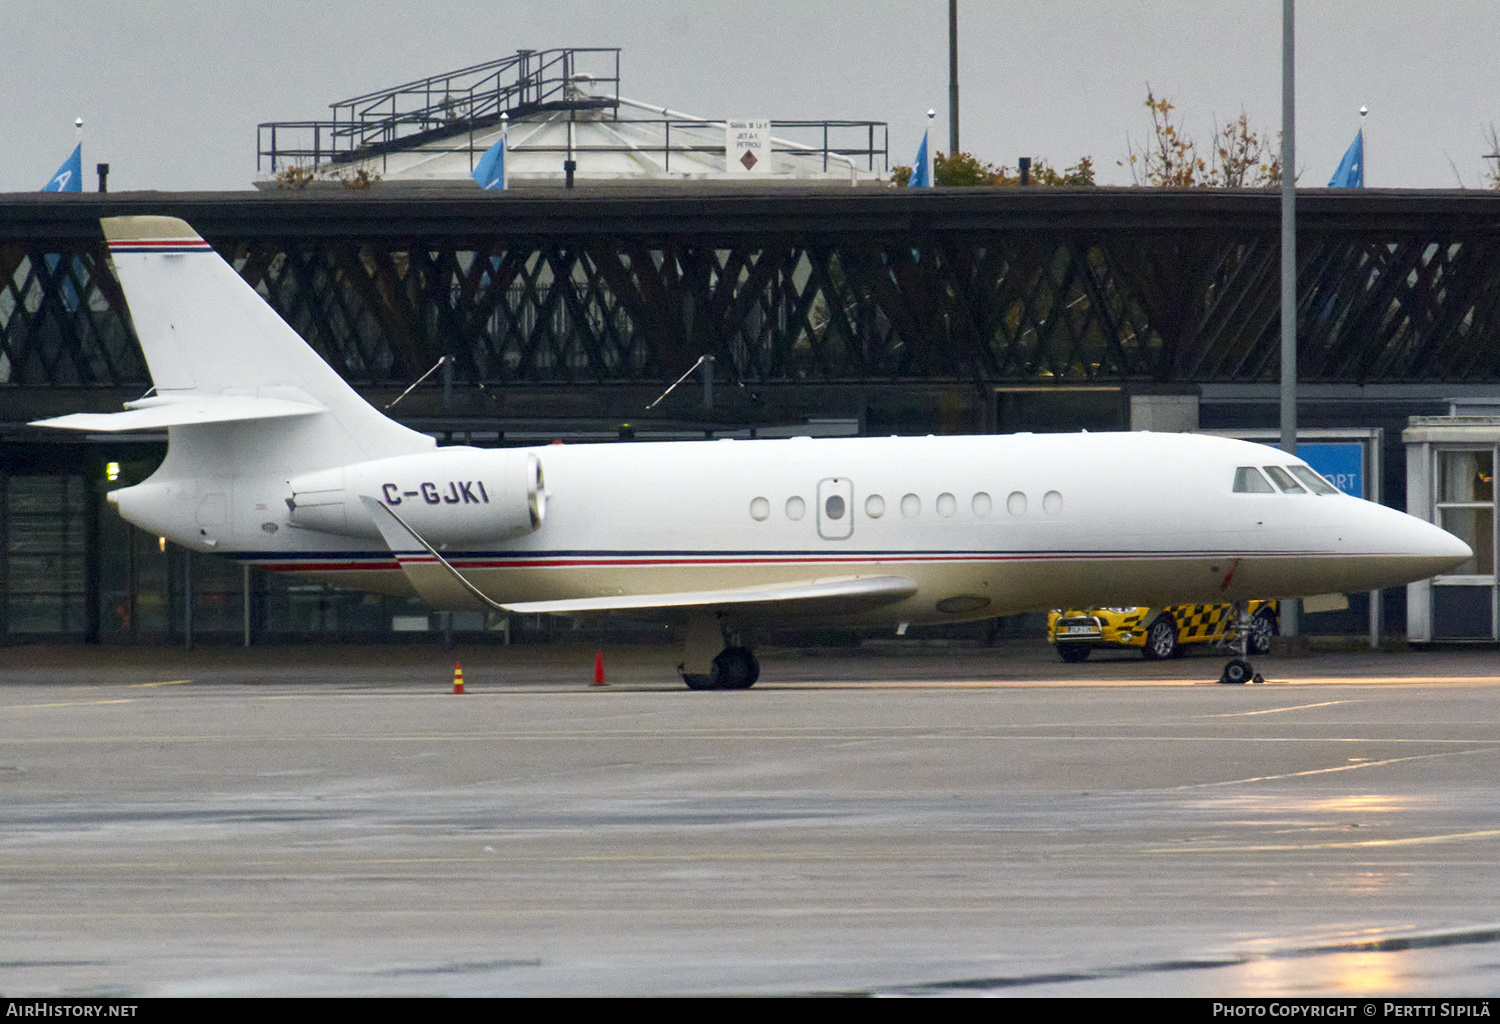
[
  {"x": 1073, "y": 652},
  {"x": 735, "y": 668},
  {"x": 1237, "y": 672},
  {"x": 698, "y": 681},
  {"x": 1161, "y": 639},
  {"x": 1262, "y": 629}
]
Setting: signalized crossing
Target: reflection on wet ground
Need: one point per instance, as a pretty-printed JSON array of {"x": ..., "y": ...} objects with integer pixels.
[{"x": 348, "y": 832}]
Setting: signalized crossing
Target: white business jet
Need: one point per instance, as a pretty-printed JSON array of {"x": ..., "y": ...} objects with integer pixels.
[{"x": 274, "y": 460}]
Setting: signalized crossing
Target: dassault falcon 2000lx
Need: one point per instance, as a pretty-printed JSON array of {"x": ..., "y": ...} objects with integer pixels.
[{"x": 272, "y": 459}]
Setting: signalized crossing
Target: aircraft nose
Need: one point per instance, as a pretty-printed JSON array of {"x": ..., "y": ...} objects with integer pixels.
[{"x": 1439, "y": 550}]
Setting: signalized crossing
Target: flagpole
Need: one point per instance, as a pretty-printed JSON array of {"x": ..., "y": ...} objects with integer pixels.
[
  {"x": 931, "y": 160},
  {"x": 1364, "y": 147}
]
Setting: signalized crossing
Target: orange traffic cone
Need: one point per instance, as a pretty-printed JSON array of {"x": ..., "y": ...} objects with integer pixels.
[
  {"x": 458, "y": 678},
  {"x": 598, "y": 668}
]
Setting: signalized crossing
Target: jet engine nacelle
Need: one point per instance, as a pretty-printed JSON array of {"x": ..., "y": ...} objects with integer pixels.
[{"x": 448, "y": 496}]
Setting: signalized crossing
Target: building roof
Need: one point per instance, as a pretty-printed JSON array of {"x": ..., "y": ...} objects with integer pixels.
[{"x": 550, "y": 109}]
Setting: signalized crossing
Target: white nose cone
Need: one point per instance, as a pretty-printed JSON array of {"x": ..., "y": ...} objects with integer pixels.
[
  {"x": 1441, "y": 546},
  {"x": 1421, "y": 548}
]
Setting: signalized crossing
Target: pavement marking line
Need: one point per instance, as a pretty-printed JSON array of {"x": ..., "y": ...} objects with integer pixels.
[
  {"x": 1001, "y": 684},
  {"x": 1338, "y": 768},
  {"x": 169, "y": 682},
  {"x": 787, "y": 735},
  {"x": 1272, "y": 711},
  {"x": 1356, "y": 845},
  {"x": 443, "y": 912},
  {"x": 71, "y": 703},
  {"x": 601, "y": 858}
]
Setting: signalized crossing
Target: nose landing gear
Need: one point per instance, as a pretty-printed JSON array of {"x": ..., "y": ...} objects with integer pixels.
[{"x": 1239, "y": 670}]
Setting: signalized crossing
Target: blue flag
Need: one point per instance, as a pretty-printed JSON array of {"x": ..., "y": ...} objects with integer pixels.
[
  {"x": 491, "y": 170},
  {"x": 921, "y": 177},
  {"x": 1351, "y": 172},
  {"x": 69, "y": 177}
]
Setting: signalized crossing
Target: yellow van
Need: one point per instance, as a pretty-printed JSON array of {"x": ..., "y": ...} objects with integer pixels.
[{"x": 1157, "y": 632}]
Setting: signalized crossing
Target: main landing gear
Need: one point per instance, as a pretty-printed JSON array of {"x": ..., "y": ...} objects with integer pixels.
[
  {"x": 733, "y": 668},
  {"x": 1239, "y": 670}
]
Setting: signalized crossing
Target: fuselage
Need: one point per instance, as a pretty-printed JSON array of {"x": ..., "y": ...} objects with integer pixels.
[{"x": 985, "y": 525}]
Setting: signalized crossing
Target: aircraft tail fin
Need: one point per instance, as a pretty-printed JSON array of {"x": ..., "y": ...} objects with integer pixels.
[{"x": 206, "y": 332}]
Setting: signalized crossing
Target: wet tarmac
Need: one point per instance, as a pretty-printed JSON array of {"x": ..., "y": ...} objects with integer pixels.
[{"x": 931, "y": 822}]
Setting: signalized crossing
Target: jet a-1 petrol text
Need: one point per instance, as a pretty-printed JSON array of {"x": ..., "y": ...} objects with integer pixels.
[
  {"x": 468, "y": 492},
  {"x": 450, "y": 495}
]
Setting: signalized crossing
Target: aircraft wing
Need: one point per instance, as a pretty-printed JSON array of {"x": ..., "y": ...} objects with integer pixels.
[
  {"x": 445, "y": 587},
  {"x": 840, "y": 596},
  {"x": 172, "y": 411}
]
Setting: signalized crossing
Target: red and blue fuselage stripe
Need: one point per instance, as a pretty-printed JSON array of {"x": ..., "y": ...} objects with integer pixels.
[{"x": 369, "y": 560}]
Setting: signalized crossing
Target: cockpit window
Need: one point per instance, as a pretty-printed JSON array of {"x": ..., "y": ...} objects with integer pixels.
[
  {"x": 1284, "y": 480},
  {"x": 1314, "y": 482},
  {"x": 1247, "y": 480}
]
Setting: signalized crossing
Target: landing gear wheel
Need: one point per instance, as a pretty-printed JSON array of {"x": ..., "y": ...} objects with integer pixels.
[
  {"x": 735, "y": 668},
  {"x": 1161, "y": 639},
  {"x": 1237, "y": 672},
  {"x": 1073, "y": 652},
  {"x": 698, "y": 681},
  {"x": 1262, "y": 629}
]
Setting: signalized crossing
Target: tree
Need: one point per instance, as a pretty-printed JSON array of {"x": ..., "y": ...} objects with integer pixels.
[
  {"x": 1240, "y": 158},
  {"x": 965, "y": 169}
]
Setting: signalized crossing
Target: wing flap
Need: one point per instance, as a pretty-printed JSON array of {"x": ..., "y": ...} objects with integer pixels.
[{"x": 174, "y": 411}]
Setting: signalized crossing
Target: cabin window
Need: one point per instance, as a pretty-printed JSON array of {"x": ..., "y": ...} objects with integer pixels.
[
  {"x": 946, "y": 505},
  {"x": 1052, "y": 503},
  {"x": 1314, "y": 482},
  {"x": 874, "y": 506},
  {"x": 911, "y": 506},
  {"x": 982, "y": 504},
  {"x": 796, "y": 508},
  {"x": 760, "y": 510},
  {"x": 1016, "y": 504},
  {"x": 1284, "y": 480},
  {"x": 833, "y": 508},
  {"x": 1248, "y": 480}
]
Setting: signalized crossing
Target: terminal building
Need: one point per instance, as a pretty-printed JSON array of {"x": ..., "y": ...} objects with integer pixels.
[{"x": 801, "y": 307}]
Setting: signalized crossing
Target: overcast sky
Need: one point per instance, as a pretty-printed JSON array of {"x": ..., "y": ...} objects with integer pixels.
[{"x": 171, "y": 92}]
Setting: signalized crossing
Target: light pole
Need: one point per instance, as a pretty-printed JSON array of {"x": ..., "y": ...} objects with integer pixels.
[
  {"x": 1288, "y": 257},
  {"x": 952, "y": 77}
]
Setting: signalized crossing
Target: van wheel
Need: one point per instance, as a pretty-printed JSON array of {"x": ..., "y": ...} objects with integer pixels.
[
  {"x": 1161, "y": 638},
  {"x": 1262, "y": 629}
]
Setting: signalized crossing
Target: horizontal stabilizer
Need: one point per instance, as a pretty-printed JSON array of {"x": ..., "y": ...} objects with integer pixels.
[
  {"x": 172, "y": 411},
  {"x": 842, "y": 596}
]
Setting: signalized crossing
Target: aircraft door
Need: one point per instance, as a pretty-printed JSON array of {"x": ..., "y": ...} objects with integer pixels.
[{"x": 835, "y": 508}]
